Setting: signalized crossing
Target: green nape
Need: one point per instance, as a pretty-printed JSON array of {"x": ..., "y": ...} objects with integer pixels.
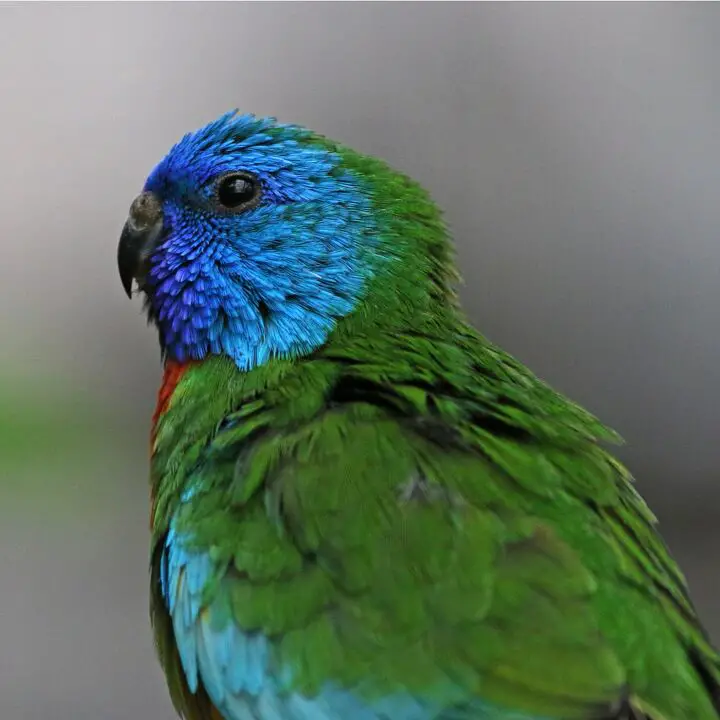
[{"x": 414, "y": 263}]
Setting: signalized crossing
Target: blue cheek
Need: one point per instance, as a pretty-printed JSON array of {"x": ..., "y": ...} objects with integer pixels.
[{"x": 269, "y": 284}]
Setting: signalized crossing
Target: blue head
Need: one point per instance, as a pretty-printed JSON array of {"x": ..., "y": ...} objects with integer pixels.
[{"x": 252, "y": 239}]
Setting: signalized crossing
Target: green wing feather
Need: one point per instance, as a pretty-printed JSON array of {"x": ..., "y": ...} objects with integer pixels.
[{"x": 425, "y": 514}]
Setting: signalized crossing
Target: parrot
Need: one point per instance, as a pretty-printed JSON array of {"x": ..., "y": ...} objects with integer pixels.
[{"x": 360, "y": 507}]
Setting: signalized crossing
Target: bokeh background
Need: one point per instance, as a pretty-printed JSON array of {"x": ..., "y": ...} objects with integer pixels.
[{"x": 575, "y": 148}]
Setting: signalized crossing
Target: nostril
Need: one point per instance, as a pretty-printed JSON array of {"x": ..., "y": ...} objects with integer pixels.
[{"x": 145, "y": 211}]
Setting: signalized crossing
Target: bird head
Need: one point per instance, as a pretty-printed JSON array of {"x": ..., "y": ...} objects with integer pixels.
[{"x": 256, "y": 240}]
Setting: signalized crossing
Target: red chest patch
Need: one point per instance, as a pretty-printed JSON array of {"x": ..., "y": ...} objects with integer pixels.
[{"x": 171, "y": 377}]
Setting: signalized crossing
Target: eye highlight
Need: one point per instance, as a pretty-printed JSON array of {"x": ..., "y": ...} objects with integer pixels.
[{"x": 237, "y": 191}]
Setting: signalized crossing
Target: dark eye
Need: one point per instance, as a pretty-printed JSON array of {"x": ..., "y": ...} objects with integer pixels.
[{"x": 237, "y": 191}]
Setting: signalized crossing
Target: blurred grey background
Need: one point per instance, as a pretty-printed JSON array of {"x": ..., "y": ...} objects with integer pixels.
[{"x": 574, "y": 147}]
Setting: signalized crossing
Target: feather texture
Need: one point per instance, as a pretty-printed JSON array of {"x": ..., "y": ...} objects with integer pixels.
[{"x": 362, "y": 508}]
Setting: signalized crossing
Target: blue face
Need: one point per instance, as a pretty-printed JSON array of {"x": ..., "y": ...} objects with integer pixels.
[{"x": 266, "y": 242}]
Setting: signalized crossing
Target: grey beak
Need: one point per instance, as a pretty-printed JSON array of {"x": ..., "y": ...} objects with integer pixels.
[{"x": 138, "y": 236}]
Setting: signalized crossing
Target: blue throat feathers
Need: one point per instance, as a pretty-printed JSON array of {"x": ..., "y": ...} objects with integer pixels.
[{"x": 273, "y": 279}]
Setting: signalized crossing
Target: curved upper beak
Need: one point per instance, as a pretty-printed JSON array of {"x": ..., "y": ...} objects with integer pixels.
[{"x": 138, "y": 237}]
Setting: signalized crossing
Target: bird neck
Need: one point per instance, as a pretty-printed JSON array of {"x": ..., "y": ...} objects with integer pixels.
[
  {"x": 198, "y": 398},
  {"x": 201, "y": 380},
  {"x": 172, "y": 374}
]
